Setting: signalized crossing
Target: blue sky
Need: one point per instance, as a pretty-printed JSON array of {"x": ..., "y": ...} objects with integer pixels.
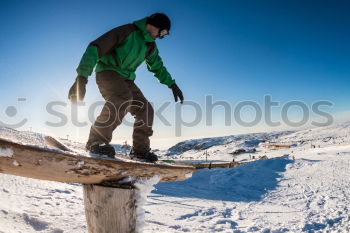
[{"x": 232, "y": 50}]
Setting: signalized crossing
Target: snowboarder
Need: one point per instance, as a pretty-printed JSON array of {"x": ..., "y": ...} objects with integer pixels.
[{"x": 116, "y": 55}]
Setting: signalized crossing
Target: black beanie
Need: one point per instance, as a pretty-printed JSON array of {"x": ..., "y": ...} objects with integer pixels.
[{"x": 159, "y": 20}]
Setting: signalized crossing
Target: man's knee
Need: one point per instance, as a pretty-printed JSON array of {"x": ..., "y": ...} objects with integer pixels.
[
  {"x": 140, "y": 109},
  {"x": 114, "y": 110},
  {"x": 144, "y": 117}
]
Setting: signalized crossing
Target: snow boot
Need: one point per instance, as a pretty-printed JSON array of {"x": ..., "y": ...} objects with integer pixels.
[
  {"x": 103, "y": 149},
  {"x": 149, "y": 157}
]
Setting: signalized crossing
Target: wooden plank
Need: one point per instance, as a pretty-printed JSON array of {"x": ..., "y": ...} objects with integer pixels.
[
  {"x": 109, "y": 209},
  {"x": 45, "y": 164}
]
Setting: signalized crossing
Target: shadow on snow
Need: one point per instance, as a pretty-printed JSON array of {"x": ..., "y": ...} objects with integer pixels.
[{"x": 248, "y": 182}]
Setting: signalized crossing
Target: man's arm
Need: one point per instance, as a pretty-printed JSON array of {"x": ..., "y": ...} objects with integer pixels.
[
  {"x": 155, "y": 65},
  {"x": 101, "y": 46},
  {"x": 88, "y": 61}
]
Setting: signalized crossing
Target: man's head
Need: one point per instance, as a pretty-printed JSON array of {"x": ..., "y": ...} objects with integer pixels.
[{"x": 158, "y": 25}]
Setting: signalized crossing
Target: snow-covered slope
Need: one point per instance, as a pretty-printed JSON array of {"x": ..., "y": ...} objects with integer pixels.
[
  {"x": 309, "y": 194},
  {"x": 220, "y": 148},
  {"x": 234, "y": 141},
  {"x": 305, "y": 188},
  {"x": 336, "y": 134}
]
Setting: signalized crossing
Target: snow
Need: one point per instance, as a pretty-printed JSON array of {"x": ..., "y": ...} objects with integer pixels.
[
  {"x": 236, "y": 141},
  {"x": 6, "y": 152},
  {"x": 29, "y": 205},
  {"x": 234, "y": 182},
  {"x": 80, "y": 163},
  {"x": 219, "y": 149},
  {"x": 305, "y": 188},
  {"x": 308, "y": 194},
  {"x": 15, "y": 163},
  {"x": 143, "y": 189},
  {"x": 22, "y": 137}
]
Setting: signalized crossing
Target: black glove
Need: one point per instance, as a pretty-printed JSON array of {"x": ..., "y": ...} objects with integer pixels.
[
  {"x": 177, "y": 93},
  {"x": 77, "y": 91}
]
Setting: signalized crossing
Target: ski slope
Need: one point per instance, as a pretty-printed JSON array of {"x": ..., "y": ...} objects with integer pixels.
[{"x": 305, "y": 188}]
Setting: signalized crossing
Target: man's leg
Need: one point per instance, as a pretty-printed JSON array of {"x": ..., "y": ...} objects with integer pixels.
[
  {"x": 116, "y": 91},
  {"x": 143, "y": 112}
]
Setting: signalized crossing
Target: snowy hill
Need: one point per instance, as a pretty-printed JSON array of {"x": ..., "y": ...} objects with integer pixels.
[
  {"x": 336, "y": 134},
  {"x": 304, "y": 188},
  {"x": 244, "y": 140},
  {"x": 221, "y": 148}
]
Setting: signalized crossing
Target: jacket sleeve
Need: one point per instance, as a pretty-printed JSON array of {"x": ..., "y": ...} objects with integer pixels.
[
  {"x": 155, "y": 65},
  {"x": 101, "y": 46},
  {"x": 88, "y": 61}
]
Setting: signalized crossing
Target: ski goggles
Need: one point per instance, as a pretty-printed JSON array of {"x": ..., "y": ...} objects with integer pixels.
[{"x": 163, "y": 33}]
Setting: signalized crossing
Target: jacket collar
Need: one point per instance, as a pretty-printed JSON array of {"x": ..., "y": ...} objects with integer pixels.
[{"x": 141, "y": 24}]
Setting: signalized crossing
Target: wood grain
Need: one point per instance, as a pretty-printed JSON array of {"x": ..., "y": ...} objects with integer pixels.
[
  {"x": 45, "y": 164},
  {"x": 109, "y": 210}
]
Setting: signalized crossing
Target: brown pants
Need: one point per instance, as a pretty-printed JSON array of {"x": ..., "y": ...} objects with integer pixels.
[{"x": 122, "y": 96}]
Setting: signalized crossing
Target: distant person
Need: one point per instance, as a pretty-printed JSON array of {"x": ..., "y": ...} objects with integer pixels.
[{"x": 116, "y": 55}]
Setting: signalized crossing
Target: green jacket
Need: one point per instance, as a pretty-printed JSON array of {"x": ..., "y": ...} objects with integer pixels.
[{"x": 123, "y": 49}]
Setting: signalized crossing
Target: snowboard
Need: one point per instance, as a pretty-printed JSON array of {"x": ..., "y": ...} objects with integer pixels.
[
  {"x": 57, "y": 162},
  {"x": 53, "y": 142}
]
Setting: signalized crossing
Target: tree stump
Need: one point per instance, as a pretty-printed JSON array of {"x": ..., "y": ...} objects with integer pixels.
[{"x": 110, "y": 209}]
